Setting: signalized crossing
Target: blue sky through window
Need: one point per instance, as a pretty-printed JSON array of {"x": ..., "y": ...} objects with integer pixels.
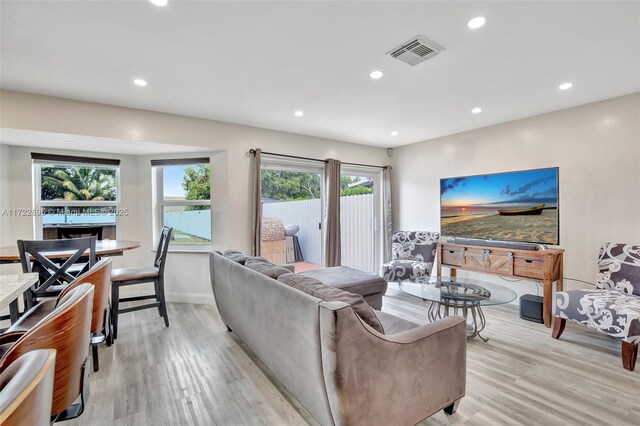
[
  {"x": 173, "y": 181},
  {"x": 529, "y": 186}
]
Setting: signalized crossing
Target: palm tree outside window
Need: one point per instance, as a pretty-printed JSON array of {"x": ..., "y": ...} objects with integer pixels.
[{"x": 75, "y": 194}]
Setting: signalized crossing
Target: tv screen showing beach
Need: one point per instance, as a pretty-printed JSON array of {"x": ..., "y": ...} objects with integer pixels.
[{"x": 513, "y": 206}]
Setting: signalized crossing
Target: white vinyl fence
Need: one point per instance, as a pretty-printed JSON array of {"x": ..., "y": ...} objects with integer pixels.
[
  {"x": 357, "y": 227},
  {"x": 194, "y": 222},
  {"x": 357, "y": 232},
  {"x": 307, "y": 214}
]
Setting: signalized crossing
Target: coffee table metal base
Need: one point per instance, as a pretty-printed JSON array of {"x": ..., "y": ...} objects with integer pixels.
[{"x": 475, "y": 322}]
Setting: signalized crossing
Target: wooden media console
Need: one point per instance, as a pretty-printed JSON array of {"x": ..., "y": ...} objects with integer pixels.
[{"x": 542, "y": 266}]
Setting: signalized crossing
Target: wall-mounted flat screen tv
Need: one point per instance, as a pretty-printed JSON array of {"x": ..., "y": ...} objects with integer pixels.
[{"x": 511, "y": 206}]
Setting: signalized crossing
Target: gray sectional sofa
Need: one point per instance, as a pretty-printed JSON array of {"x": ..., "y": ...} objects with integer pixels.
[{"x": 324, "y": 348}]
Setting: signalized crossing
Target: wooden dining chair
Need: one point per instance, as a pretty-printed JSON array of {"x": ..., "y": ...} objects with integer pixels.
[
  {"x": 52, "y": 260},
  {"x": 101, "y": 330},
  {"x": 67, "y": 330},
  {"x": 26, "y": 389},
  {"x": 68, "y": 232},
  {"x": 130, "y": 276}
]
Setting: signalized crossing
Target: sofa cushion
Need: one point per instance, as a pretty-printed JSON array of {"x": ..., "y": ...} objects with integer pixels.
[
  {"x": 349, "y": 279},
  {"x": 393, "y": 324},
  {"x": 327, "y": 293},
  {"x": 265, "y": 267},
  {"x": 236, "y": 256},
  {"x": 241, "y": 258}
]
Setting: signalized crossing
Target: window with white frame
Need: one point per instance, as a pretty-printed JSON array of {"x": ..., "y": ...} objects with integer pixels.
[
  {"x": 72, "y": 191},
  {"x": 184, "y": 199}
]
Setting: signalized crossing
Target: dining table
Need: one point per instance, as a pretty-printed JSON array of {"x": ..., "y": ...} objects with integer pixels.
[
  {"x": 104, "y": 248},
  {"x": 11, "y": 288},
  {"x": 15, "y": 285}
]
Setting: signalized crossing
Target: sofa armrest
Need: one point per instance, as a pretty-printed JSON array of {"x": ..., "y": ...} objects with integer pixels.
[
  {"x": 424, "y": 331},
  {"x": 399, "y": 379}
]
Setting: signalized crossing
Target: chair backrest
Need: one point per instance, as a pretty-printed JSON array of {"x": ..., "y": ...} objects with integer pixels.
[
  {"x": 415, "y": 245},
  {"x": 163, "y": 248},
  {"x": 79, "y": 232},
  {"x": 619, "y": 267},
  {"x": 100, "y": 277},
  {"x": 26, "y": 389},
  {"x": 37, "y": 256},
  {"x": 67, "y": 330}
]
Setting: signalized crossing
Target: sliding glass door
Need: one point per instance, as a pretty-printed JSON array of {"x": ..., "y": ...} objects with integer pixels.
[
  {"x": 292, "y": 194},
  {"x": 360, "y": 211}
]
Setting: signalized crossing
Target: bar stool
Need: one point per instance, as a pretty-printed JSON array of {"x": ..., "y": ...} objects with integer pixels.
[{"x": 153, "y": 274}]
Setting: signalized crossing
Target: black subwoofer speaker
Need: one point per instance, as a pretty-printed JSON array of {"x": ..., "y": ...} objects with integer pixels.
[{"x": 531, "y": 308}]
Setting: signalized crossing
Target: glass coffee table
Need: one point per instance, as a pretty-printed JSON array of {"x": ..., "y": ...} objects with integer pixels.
[{"x": 454, "y": 296}]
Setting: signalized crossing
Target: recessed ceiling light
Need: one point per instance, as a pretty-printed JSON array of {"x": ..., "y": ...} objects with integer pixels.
[
  {"x": 140, "y": 82},
  {"x": 161, "y": 3},
  {"x": 394, "y": 133},
  {"x": 476, "y": 22},
  {"x": 70, "y": 142},
  {"x": 476, "y": 110},
  {"x": 298, "y": 113},
  {"x": 376, "y": 74},
  {"x": 565, "y": 86}
]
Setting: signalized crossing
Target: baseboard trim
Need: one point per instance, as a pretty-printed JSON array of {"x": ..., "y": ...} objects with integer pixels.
[{"x": 196, "y": 298}]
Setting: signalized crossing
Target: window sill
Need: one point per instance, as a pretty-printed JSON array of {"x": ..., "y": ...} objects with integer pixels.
[{"x": 200, "y": 250}]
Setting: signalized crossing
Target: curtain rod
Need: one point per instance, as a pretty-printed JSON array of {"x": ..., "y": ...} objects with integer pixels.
[{"x": 253, "y": 152}]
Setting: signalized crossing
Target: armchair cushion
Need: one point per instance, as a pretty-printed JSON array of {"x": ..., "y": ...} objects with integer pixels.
[
  {"x": 609, "y": 311},
  {"x": 414, "y": 245},
  {"x": 619, "y": 267},
  {"x": 400, "y": 270}
]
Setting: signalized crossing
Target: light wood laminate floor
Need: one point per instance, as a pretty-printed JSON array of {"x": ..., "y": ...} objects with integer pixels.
[{"x": 188, "y": 374}]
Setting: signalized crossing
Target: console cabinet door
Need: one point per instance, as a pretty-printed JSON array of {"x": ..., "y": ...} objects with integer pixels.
[
  {"x": 474, "y": 260},
  {"x": 500, "y": 263}
]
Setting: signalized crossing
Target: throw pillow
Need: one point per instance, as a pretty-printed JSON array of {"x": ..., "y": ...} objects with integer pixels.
[
  {"x": 266, "y": 268},
  {"x": 326, "y": 293}
]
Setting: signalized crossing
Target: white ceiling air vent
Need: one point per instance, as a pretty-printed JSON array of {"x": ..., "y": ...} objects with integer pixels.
[{"x": 416, "y": 50}]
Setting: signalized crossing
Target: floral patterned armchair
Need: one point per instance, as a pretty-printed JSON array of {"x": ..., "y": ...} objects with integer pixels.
[
  {"x": 413, "y": 255},
  {"x": 613, "y": 307}
]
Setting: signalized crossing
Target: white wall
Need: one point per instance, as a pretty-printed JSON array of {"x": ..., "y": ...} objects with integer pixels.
[
  {"x": 596, "y": 146},
  {"x": 4, "y": 195},
  {"x": 187, "y": 274},
  {"x": 17, "y": 178}
]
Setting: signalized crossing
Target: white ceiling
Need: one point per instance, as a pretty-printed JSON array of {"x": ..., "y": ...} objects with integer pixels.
[
  {"x": 256, "y": 63},
  {"x": 36, "y": 139}
]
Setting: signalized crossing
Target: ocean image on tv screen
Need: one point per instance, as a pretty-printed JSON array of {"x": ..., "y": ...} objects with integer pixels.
[{"x": 514, "y": 206}]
